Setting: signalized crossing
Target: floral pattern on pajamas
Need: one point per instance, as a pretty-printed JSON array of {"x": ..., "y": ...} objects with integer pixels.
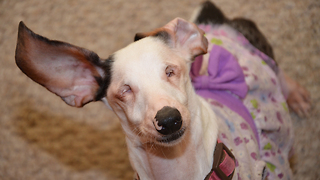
[{"x": 268, "y": 155}]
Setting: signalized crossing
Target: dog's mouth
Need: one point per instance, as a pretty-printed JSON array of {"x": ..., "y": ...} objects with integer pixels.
[{"x": 172, "y": 138}]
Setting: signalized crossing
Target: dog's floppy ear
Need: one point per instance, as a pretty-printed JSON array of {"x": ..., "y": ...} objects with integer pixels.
[
  {"x": 181, "y": 35},
  {"x": 75, "y": 74}
]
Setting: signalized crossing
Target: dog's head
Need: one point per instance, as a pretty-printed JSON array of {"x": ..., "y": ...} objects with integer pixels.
[{"x": 146, "y": 84}]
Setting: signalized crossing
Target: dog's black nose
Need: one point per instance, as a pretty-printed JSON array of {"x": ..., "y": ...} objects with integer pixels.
[{"x": 168, "y": 120}]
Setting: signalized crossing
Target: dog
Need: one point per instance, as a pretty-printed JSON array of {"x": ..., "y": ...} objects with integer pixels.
[{"x": 186, "y": 114}]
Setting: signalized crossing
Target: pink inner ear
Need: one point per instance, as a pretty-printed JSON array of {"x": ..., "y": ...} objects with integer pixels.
[
  {"x": 73, "y": 80},
  {"x": 185, "y": 37},
  {"x": 184, "y": 32},
  {"x": 64, "y": 69},
  {"x": 188, "y": 38}
]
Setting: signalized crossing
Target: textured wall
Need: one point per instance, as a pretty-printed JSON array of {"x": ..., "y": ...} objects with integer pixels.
[{"x": 43, "y": 138}]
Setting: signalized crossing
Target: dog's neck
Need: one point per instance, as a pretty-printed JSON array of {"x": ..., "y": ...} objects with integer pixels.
[{"x": 190, "y": 159}]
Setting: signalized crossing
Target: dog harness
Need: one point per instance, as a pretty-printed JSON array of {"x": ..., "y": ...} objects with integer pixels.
[
  {"x": 222, "y": 168},
  {"x": 223, "y": 164}
]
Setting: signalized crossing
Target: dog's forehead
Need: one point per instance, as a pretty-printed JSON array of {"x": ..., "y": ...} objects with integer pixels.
[{"x": 145, "y": 57}]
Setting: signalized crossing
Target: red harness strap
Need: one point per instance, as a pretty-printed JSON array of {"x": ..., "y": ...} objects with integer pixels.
[{"x": 222, "y": 169}]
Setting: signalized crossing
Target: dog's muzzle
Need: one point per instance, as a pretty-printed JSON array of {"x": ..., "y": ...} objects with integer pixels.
[{"x": 168, "y": 122}]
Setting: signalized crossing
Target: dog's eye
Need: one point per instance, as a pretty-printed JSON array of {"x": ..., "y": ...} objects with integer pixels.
[
  {"x": 123, "y": 92},
  {"x": 169, "y": 71},
  {"x": 125, "y": 89}
]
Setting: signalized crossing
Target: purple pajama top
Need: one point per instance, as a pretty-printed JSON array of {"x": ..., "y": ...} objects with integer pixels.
[{"x": 242, "y": 87}]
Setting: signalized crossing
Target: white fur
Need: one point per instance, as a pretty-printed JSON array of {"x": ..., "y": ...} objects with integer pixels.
[{"x": 142, "y": 66}]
